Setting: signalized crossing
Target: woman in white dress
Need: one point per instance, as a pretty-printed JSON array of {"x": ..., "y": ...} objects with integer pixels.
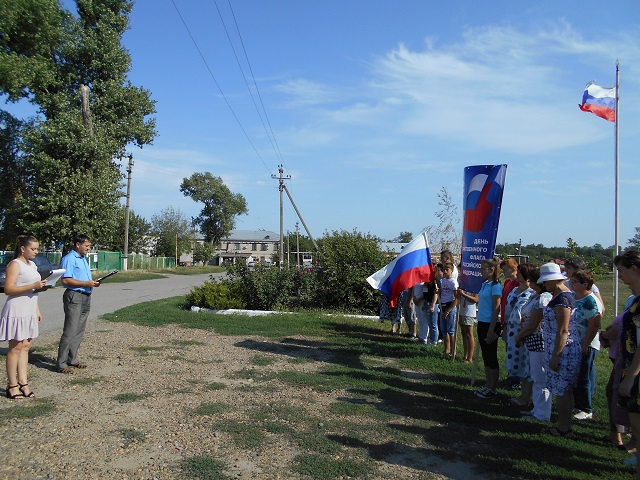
[{"x": 20, "y": 315}]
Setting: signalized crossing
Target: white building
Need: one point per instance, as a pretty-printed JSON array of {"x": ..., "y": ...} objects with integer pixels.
[{"x": 261, "y": 245}]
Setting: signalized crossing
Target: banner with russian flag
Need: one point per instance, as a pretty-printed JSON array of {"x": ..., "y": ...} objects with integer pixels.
[
  {"x": 411, "y": 267},
  {"x": 600, "y": 101},
  {"x": 483, "y": 188}
]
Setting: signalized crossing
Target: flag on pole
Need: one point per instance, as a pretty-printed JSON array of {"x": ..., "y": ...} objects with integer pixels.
[
  {"x": 483, "y": 188},
  {"x": 411, "y": 267},
  {"x": 600, "y": 101}
]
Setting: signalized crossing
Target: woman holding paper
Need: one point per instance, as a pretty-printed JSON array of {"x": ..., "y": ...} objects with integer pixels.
[{"x": 20, "y": 315}]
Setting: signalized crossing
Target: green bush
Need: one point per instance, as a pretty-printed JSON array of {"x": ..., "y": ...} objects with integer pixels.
[
  {"x": 218, "y": 295},
  {"x": 266, "y": 288},
  {"x": 345, "y": 261},
  {"x": 338, "y": 281}
]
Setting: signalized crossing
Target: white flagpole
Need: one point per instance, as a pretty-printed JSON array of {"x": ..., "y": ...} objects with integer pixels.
[{"x": 615, "y": 276}]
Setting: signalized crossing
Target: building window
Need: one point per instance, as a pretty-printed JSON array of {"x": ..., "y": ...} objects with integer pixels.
[
  {"x": 236, "y": 246},
  {"x": 265, "y": 247}
]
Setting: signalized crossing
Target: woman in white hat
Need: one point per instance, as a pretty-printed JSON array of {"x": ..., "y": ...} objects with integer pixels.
[
  {"x": 561, "y": 346},
  {"x": 628, "y": 266}
]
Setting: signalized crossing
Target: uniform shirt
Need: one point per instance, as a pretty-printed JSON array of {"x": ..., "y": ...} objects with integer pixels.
[{"x": 76, "y": 267}]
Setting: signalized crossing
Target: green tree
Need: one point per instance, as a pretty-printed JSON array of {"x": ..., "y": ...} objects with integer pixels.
[
  {"x": 634, "y": 242},
  {"x": 572, "y": 247},
  {"x": 169, "y": 226},
  {"x": 345, "y": 261},
  {"x": 203, "y": 252},
  {"x": 291, "y": 241},
  {"x": 74, "y": 71},
  {"x": 11, "y": 181},
  {"x": 404, "y": 237},
  {"x": 217, "y": 218},
  {"x": 139, "y": 233}
]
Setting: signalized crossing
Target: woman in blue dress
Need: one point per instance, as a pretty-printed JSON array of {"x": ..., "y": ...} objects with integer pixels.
[{"x": 562, "y": 348}]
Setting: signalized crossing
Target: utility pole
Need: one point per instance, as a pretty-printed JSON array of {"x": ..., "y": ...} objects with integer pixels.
[
  {"x": 281, "y": 187},
  {"x": 125, "y": 254},
  {"x": 297, "y": 246}
]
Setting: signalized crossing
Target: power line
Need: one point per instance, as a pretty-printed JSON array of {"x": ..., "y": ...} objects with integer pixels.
[
  {"x": 271, "y": 137},
  {"x": 253, "y": 77},
  {"x": 218, "y": 85}
]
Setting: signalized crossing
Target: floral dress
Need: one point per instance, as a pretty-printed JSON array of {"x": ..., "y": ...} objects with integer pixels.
[
  {"x": 517, "y": 357},
  {"x": 628, "y": 346},
  {"x": 569, "y": 361}
]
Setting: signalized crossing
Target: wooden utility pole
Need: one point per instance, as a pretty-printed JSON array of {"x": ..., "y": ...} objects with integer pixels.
[{"x": 125, "y": 253}]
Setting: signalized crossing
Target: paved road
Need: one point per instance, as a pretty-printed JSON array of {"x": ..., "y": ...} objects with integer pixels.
[{"x": 112, "y": 296}]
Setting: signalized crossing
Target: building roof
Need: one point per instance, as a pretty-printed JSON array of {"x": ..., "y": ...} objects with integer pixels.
[
  {"x": 252, "y": 236},
  {"x": 393, "y": 247}
]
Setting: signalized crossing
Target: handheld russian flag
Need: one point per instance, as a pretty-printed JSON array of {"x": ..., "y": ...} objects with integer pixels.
[
  {"x": 411, "y": 267},
  {"x": 599, "y": 101}
]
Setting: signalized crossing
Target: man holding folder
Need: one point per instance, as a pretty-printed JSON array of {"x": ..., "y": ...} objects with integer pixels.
[{"x": 78, "y": 285}]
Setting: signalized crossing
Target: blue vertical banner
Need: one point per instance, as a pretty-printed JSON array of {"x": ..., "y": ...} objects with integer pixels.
[{"x": 483, "y": 187}]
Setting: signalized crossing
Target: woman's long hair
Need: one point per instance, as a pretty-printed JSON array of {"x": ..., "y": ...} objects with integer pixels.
[{"x": 492, "y": 263}]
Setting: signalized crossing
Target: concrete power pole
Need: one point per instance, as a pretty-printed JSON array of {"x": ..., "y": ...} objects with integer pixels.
[
  {"x": 125, "y": 254},
  {"x": 297, "y": 245},
  {"x": 281, "y": 178}
]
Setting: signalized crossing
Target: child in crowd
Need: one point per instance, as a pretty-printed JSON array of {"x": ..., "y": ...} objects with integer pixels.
[
  {"x": 468, "y": 319},
  {"x": 449, "y": 302}
]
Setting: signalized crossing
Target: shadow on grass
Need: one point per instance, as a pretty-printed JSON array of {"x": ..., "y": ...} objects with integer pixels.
[{"x": 471, "y": 433}]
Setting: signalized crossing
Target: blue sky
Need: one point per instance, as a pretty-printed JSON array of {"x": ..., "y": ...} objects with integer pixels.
[{"x": 375, "y": 105}]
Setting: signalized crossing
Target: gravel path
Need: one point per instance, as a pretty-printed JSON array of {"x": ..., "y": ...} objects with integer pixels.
[{"x": 132, "y": 413}]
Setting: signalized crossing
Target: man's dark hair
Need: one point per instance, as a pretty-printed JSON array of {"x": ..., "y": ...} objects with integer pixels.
[{"x": 80, "y": 239}]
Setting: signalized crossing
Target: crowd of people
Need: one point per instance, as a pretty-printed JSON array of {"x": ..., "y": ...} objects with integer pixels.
[{"x": 550, "y": 322}]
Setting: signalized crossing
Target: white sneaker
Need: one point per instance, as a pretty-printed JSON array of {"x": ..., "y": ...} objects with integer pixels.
[{"x": 583, "y": 415}]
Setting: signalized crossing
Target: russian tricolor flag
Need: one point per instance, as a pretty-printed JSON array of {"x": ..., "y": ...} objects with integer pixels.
[
  {"x": 411, "y": 267},
  {"x": 599, "y": 101}
]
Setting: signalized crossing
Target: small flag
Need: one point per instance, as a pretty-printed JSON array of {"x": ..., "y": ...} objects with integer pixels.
[
  {"x": 411, "y": 267},
  {"x": 599, "y": 101}
]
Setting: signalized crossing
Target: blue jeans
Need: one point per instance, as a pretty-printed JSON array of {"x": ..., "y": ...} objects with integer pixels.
[
  {"x": 586, "y": 386},
  {"x": 432, "y": 321},
  {"x": 448, "y": 324}
]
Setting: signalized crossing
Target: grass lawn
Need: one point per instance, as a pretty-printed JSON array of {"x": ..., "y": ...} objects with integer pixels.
[{"x": 414, "y": 400}]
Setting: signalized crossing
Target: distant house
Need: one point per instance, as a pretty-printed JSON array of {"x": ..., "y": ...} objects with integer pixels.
[
  {"x": 260, "y": 245},
  {"x": 392, "y": 249}
]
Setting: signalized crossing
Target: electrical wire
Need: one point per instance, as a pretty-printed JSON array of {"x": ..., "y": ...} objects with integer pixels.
[{"x": 218, "y": 85}]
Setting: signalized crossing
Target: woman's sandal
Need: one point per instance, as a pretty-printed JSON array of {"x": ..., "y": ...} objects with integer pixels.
[
  {"x": 30, "y": 395},
  {"x": 556, "y": 432},
  {"x": 17, "y": 395}
]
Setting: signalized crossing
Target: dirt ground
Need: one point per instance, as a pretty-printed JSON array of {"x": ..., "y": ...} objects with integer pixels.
[{"x": 132, "y": 413}]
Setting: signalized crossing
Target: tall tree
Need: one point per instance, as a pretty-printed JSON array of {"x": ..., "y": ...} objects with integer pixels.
[
  {"x": 11, "y": 182},
  {"x": 218, "y": 216},
  {"x": 74, "y": 71},
  {"x": 448, "y": 234},
  {"x": 404, "y": 237},
  {"x": 169, "y": 226},
  {"x": 139, "y": 234}
]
